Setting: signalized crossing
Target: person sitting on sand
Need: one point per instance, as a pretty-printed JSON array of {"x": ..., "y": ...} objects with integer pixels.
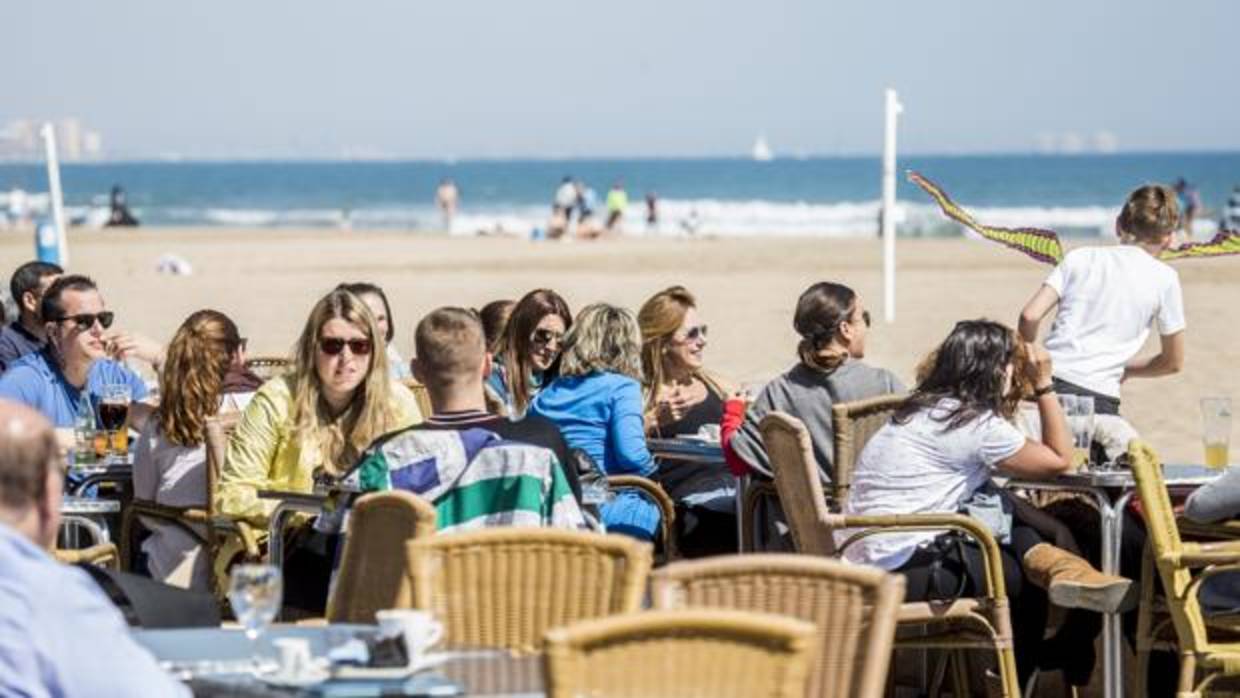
[
  {"x": 683, "y": 398},
  {"x": 597, "y": 404},
  {"x": 529, "y": 356}
]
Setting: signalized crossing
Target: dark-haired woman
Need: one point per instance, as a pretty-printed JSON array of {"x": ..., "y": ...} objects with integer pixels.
[
  {"x": 529, "y": 355},
  {"x": 833, "y": 325},
  {"x": 941, "y": 448},
  {"x": 375, "y": 299}
]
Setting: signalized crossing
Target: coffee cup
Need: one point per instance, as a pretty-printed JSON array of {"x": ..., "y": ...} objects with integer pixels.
[
  {"x": 419, "y": 629},
  {"x": 295, "y": 657}
]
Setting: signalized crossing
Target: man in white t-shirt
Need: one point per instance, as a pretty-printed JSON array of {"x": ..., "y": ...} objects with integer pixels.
[{"x": 1108, "y": 297}]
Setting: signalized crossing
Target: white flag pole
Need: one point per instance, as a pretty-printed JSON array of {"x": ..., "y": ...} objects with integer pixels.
[
  {"x": 892, "y": 109},
  {"x": 53, "y": 184}
]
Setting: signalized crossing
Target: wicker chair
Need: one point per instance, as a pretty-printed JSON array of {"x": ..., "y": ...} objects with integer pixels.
[
  {"x": 420, "y": 394},
  {"x": 667, "y": 509},
  {"x": 267, "y": 367},
  {"x": 506, "y": 586},
  {"x": 373, "y": 566},
  {"x": 972, "y": 623},
  {"x": 853, "y": 423},
  {"x": 853, "y": 607},
  {"x": 715, "y": 653},
  {"x": 226, "y": 535},
  {"x": 100, "y": 555},
  {"x": 1182, "y": 568}
]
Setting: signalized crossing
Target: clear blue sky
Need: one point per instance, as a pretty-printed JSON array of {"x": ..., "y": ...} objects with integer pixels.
[{"x": 467, "y": 78}]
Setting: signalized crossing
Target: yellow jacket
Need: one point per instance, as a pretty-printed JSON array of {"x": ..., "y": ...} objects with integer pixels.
[{"x": 262, "y": 455}]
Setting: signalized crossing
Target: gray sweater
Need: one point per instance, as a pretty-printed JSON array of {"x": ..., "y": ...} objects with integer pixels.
[
  {"x": 1217, "y": 501},
  {"x": 808, "y": 395}
]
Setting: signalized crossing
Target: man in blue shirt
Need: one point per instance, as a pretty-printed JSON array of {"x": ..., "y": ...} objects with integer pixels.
[
  {"x": 59, "y": 634},
  {"x": 80, "y": 358},
  {"x": 25, "y": 334}
]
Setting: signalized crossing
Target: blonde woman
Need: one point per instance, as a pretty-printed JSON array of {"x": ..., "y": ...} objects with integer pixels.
[
  {"x": 597, "y": 404},
  {"x": 169, "y": 456},
  {"x": 681, "y": 396},
  {"x": 336, "y": 399}
]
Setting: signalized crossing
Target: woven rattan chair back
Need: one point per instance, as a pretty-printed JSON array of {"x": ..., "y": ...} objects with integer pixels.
[
  {"x": 796, "y": 479},
  {"x": 420, "y": 394},
  {"x": 853, "y": 607},
  {"x": 268, "y": 367},
  {"x": 506, "y": 586},
  {"x": 373, "y": 573},
  {"x": 853, "y": 424},
  {"x": 218, "y": 430},
  {"x": 717, "y": 653}
]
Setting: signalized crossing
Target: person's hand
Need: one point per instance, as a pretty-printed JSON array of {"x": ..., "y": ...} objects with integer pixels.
[
  {"x": 122, "y": 345},
  {"x": 671, "y": 407},
  {"x": 1039, "y": 368}
]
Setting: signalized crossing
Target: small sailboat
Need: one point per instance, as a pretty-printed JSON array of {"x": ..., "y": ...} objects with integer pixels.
[{"x": 761, "y": 150}]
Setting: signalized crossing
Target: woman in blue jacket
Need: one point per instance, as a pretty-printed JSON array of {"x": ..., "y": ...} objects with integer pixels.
[{"x": 597, "y": 403}]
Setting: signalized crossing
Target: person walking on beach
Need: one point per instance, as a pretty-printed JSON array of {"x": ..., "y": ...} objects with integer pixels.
[
  {"x": 617, "y": 201},
  {"x": 1190, "y": 204},
  {"x": 446, "y": 198},
  {"x": 652, "y": 212},
  {"x": 1231, "y": 214}
]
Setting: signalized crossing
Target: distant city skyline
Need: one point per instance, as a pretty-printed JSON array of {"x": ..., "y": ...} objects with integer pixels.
[{"x": 389, "y": 79}]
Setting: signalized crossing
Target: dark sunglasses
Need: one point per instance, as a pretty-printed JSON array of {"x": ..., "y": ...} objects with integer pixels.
[
  {"x": 544, "y": 337},
  {"x": 85, "y": 321},
  {"x": 242, "y": 343},
  {"x": 334, "y": 345},
  {"x": 865, "y": 316},
  {"x": 695, "y": 333}
]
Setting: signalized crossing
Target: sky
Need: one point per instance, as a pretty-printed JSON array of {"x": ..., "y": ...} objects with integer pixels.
[{"x": 640, "y": 78}]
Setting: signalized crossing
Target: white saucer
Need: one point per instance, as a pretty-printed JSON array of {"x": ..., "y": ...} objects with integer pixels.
[
  {"x": 431, "y": 659},
  {"x": 310, "y": 677}
]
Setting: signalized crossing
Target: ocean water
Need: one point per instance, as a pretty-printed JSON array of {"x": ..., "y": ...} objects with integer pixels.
[{"x": 1076, "y": 195}]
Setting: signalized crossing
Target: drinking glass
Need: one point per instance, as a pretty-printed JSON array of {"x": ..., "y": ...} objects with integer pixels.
[
  {"x": 1079, "y": 412},
  {"x": 1216, "y": 430},
  {"x": 114, "y": 416},
  {"x": 255, "y": 593}
]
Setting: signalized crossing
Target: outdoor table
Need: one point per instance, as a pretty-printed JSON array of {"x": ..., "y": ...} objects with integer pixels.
[
  {"x": 288, "y": 504},
  {"x": 88, "y": 513},
  {"x": 704, "y": 452},
  {"x": 218, "y": 661},
  {"x": 1111, "y": 490}
]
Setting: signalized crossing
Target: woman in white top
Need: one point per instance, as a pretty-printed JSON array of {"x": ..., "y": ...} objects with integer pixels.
[
  {"x": 943, "y": 445},
  {"x": 170, "y": 457}
]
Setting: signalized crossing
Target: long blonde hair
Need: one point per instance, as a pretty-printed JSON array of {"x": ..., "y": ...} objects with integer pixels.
[
  {"x": 341, "y": 439},
  {"x": 192, "y": 377},
  {"x": 659, "y": 318}
]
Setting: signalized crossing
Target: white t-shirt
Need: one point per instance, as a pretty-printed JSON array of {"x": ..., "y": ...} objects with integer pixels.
[
  {"x": 1108, "y": 297},
  {"x": 921, "y": 467}
]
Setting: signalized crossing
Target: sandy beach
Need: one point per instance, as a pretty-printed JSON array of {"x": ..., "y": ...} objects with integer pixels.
[{"x": 268, "y": 279}]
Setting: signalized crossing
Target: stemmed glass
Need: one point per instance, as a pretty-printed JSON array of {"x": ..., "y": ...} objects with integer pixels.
[
  {"x": 255, "y": 593},
  {"x": 114, "y": 416}
]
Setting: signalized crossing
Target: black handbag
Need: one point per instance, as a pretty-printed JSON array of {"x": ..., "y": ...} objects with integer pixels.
[{"x": 146, "y": 603}]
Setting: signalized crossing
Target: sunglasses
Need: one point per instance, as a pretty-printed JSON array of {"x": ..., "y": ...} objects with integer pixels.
[
  {"x": 544, "y": 337},
  {"x": 243, "y": 343},
  {"x": 865, "y": 317},
  {"x": 334, "y": 345},
  {"x": 694, "y": 334},
  {"x": 85, "y": 321}
]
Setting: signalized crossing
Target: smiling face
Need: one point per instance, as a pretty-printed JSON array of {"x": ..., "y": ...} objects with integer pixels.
[
  {"x": 686, "y": 346},
  {"x": 546, "y": 341},
  {"x": 76, "y": 343},
  {"x": 340, "y": 373}
]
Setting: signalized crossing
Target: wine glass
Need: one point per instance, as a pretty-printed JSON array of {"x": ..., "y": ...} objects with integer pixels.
[
  {"x": 114, "y": 402},
  {"x": 255, "y": 593}
]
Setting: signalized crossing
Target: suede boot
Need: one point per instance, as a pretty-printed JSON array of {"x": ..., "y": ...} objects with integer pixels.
[{"x": 1071, "y": 582}]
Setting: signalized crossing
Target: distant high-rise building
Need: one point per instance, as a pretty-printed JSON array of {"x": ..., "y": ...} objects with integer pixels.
[
  {"x": 92, "y": 145},
  {"x": 69, "y": 139}
]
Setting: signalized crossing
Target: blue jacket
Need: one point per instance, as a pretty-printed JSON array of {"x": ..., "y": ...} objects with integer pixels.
[{"x": 600, "y": 414}]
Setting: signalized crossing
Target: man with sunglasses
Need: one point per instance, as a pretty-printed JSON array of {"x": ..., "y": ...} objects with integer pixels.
[
  {"x": 80, "y": 357},
  {"x": 25, "y": 334}
]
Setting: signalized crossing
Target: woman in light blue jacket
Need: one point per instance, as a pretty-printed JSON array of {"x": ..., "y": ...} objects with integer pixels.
[{"x": 597, "y": 403}]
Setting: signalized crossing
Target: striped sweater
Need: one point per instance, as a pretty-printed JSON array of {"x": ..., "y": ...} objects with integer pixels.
[{"x": 474, "y": 477}]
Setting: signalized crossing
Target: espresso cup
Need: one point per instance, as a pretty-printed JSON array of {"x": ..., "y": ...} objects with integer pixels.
[
  {"x": 295, "y": 657},
  {"x": 419, "y": 629}
]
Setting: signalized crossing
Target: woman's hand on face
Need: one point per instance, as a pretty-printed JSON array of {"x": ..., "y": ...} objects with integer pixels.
[{"x": 1039, "y": 368}]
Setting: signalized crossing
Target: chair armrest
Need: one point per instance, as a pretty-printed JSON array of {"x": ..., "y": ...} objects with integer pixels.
[
  {"x": 101, "y": 555},
  {"x": 891, "y": 523},
  {"x": 667, "y": 508},
  {"x": 1204, "y": 554},
  {"x": 1220, "y": 530},
  {"x": 250, "y": 537}
]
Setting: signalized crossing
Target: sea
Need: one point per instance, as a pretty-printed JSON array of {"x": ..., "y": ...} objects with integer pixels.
[{"x": 1077, "y": 195}]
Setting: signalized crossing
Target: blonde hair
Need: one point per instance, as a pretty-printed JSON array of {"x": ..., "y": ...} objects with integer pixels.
[
  {"x": 603, "y": 338},
  {"x": 1151, "y": 213},
  {"x": 659, "y": 319},
  {"x": 192, "y": 377},
  {"x": 341, "y": 439}
]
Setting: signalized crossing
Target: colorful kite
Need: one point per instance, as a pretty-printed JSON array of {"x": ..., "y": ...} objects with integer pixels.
[{"x": 1044, "y": 245}]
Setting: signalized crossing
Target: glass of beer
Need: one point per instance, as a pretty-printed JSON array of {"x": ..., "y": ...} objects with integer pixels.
[
  {"x": 1216, "y": 430},
  {"x": 114, "y": 417}
]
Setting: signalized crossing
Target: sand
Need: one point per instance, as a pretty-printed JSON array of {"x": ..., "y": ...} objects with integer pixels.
[{"x": 267, "y": 281}]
